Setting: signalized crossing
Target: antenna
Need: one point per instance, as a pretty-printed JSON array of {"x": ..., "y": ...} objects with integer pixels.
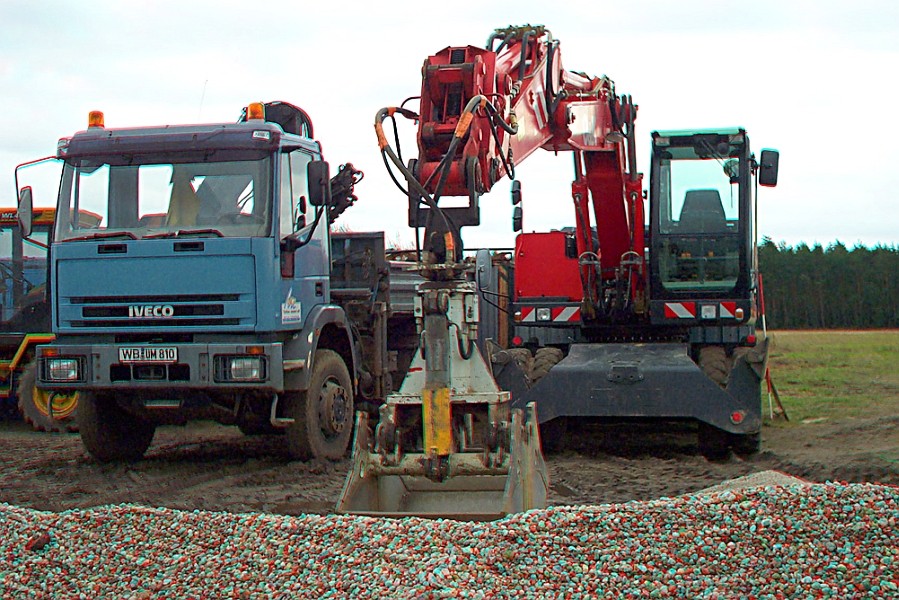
[{"x": 202, "y": 97}]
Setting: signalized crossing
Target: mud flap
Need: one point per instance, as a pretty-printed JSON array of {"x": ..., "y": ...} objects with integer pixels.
[{"x": 651, "y": 381}]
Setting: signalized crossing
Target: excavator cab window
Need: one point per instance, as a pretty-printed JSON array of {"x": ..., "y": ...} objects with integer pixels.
[{"x": 700, "y": 211}]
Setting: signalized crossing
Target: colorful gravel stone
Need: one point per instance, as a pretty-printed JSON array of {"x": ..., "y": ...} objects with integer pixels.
[{"x": 823, "y": 540}]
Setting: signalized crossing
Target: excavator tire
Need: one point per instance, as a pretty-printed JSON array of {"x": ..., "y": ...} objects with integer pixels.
[
  {"x": 750, "y": 443},
  {"x": 714, "y": 444},
  {"x": 323, "y": 415},
  {"x": 544, "y": 360},
  {"x": 109, "y": 433},
  {"x": 553, "y": 434},
  {"x": 45, "y": 411},
  {"x": 715, "y": 364},
  {"x": 524, "y": 359}
]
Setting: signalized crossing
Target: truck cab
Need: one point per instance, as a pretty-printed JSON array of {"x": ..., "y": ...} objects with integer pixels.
[{"x": 202, "y": 289}]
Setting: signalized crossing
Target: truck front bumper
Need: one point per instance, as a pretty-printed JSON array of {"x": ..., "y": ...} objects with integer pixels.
[{"x": 156, "y": 366}]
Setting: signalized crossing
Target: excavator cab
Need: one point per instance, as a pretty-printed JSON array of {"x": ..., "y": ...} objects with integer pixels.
[{"x": 701, "y": 217}]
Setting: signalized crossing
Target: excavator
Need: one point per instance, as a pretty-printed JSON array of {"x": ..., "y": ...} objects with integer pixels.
[{"x": 607, "y": 319}]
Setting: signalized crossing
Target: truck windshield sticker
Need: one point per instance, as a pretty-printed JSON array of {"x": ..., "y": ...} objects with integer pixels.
[{"x": 291, "y": 310}]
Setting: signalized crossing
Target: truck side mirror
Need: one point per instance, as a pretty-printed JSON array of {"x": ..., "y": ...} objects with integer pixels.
[
  {"x": 25, "y": 212},
  {"x": 484, "y": 269},
  {"x": 768, "y": 168},
  {"x": 319, "y": 178},
  {"x": 517, "y": 219}
]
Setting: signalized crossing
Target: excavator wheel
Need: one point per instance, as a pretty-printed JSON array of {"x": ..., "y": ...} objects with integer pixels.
[
  {"x": 524, "y": 359},
  {"x": 544, "y": 360},
  {"x": 714, "y": 444},
  {"x": 43, "y": 410},
  {"x": 109, "y": 433},
  {"x": 715, "y": 364},
  {"x": 322, "y": 415}
]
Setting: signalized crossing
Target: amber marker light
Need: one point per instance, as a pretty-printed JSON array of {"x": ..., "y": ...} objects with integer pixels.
[
  {"x": 256, "y": 111},
  {"x": 95, "y": 119}
]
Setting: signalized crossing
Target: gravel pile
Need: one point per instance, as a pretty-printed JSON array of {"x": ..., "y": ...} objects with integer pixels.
[{"x": 820, "y": 540}]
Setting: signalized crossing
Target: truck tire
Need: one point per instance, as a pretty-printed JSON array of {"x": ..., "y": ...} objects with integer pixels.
[
  {"x": 43, "y": 410},
  {"x": 544, "y": 360},
  {"x": 323, "y": 415},
  {"x": 109, "y": 433}
]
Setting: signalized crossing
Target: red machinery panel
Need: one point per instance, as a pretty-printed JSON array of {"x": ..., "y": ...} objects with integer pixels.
[{"x": 543, "y": 269}]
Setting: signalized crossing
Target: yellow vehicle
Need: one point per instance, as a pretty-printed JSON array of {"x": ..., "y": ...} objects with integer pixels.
[{"x": 25, "y": 323}]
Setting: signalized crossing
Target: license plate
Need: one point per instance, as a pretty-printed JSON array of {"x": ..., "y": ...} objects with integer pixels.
[{"x": 148, "y": 354}]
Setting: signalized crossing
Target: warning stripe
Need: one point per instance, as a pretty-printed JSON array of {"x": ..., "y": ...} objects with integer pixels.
[
  {"x": 558, "y": 314},
  {"x": 680, "y": 310},
  {"x": 568, "y": 314},
  {"x": 727, "y": 310}
]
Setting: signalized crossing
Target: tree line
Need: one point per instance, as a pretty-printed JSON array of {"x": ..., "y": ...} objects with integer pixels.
[{"x": 830, "y": 288}]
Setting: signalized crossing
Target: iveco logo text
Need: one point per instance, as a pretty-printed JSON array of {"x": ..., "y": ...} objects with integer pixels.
[{"x": 151, "y": 311}]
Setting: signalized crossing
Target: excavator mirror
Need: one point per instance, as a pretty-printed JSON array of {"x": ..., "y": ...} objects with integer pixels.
[
  {"x": 768, "y": 168},
  {"x": 25, "y": 212},
  {"x": 484, "y": 269},
  {"x": 319, "y": 177},
  {"x": 516, "y": 219},
  {"x": 732, "y": 169},
  {"x": 516, "y": 192}
]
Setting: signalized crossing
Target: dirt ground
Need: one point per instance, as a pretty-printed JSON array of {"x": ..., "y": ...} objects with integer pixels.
[{"x": 212, "y": 467}]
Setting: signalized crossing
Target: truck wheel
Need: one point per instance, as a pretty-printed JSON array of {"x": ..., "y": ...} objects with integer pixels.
[
  {"x": 323, "y": 415},
  {"x": 109, "y": 433},
  {"x": 544, "y": 360},
  {"x": 43, "y": 410}
]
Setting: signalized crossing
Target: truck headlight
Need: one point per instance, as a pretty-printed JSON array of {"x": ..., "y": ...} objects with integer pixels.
[
  {"x": 62, "y": 369},
  {"x": 544, "y": 314},
  {"x": 240, "y": 368}
]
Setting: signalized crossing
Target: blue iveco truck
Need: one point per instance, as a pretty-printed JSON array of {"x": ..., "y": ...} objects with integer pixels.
[{"x": 210, "y": 285}]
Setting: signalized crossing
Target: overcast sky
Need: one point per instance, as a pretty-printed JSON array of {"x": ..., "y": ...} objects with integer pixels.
[{"x": 816, "y": 80}]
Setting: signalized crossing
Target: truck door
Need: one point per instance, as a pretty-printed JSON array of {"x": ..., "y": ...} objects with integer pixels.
[{"x": 304, "y": 270}]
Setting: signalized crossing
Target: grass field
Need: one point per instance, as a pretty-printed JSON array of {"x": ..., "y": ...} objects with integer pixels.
[{"x": 835, "y": 374}]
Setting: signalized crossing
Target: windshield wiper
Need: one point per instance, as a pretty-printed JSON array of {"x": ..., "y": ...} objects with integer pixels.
[
  {"x": 185, "y": 233},
  {"x": 101, "y": 235}
]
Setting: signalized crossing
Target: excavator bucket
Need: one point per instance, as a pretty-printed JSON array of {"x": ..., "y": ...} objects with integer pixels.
[
  {"x": 472, "y": 488},
  {"x": 447, "y": 445}
]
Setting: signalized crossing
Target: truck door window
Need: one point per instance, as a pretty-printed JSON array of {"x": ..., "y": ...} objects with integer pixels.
[{"x": 294, "y": 191}]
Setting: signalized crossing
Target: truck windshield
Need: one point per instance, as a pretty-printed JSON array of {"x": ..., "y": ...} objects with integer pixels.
[
  {"x": 699, "y": 220},
  {"x": 147, "y": 198}
]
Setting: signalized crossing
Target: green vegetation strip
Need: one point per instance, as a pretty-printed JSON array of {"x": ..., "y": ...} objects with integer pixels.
[{"x": 835, "y": 374}]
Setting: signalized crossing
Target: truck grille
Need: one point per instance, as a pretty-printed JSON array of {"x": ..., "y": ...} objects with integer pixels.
[{"x": 196, "y": 310}]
